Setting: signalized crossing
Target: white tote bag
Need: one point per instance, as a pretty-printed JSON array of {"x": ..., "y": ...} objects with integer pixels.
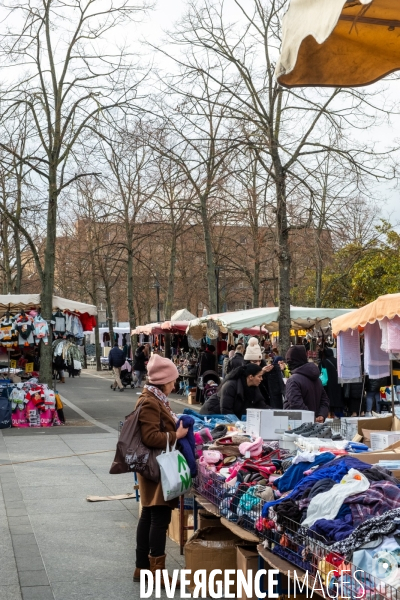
[{"x": 175, "y": 473}]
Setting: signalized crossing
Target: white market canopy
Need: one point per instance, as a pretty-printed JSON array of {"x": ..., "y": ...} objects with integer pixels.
[
  {"x": 183, "y": 315},
  {"x": 19, "y": 301},
  {"x": 268, "y": 317}
]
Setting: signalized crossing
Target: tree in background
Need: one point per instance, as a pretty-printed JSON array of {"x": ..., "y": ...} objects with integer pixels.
[{"x": 67, "y": 82}]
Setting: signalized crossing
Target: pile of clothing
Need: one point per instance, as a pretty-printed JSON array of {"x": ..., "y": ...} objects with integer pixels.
[
  {"x": 334, "y": 514},
  {"x": 33, "y": 404}
]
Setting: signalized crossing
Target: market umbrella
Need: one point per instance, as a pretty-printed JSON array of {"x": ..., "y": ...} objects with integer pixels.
[
  {"x": 385, "y": 306},
  {"x": 340, "y": 43}
]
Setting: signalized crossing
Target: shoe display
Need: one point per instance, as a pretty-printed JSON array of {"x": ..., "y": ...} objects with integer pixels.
[
  {"x": 314, "y": 431},
  {"x": 300, "y": 430},
  {"x": 325, "y": 433}
]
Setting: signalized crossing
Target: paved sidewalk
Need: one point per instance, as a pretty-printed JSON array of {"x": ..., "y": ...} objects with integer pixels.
[{"x": 54, "y": 544}]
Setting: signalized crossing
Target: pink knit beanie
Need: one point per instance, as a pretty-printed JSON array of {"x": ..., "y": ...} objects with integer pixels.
[{"x": 161, "y": 370}]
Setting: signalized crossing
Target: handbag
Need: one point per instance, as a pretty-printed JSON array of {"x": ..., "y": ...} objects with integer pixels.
[
  {"x": 131, "y": 455},
  {"x": 77, "y": 365},
  {"x": 175, "y": 473},
  {"x": 324, "y": 376}
]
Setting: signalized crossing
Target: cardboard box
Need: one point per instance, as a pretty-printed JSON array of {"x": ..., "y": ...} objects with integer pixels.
[
  {"x": 270, "y": 424},
  {"x": 206, "y": 519},
  {"x": 191, "y": 398},
  {"x": 247, "y": 560},
  {"x": 373, "y": 458},
  {"x": 209, "y": 549},
  {"x": 382, "y": 440},
  {"x": 174, "y": 528}
]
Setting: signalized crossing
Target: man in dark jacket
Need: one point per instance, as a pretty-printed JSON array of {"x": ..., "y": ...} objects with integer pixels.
[
  {"x": 139, "y": 364},
  {"x": 304, "y": 390},
  {"x": 116, "y": 359},
  {"x": 237, "y": 360}
]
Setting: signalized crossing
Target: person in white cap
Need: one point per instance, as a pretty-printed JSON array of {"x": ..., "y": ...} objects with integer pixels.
[{"x": 253, "y": 352}]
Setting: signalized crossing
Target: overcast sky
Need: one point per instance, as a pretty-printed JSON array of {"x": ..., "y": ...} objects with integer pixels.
[{"x": 167, "y": 12}]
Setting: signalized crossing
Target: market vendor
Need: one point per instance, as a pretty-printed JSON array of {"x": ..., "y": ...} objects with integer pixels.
[{"x": 304, "y": 390}]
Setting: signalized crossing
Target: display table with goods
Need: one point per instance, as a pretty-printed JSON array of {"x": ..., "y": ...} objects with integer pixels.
[
  {"x": 29, "y": 404},
  {"x": 326, "y": 508}
]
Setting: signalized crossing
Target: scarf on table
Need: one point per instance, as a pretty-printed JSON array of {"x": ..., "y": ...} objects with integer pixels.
[{"x": 160, "y": 396}]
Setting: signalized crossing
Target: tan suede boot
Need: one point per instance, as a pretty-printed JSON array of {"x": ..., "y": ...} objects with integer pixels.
[
  {"x": 62, "y": 380},
  {"x": 158, "y": 563},
  {"x": 136, "y": 575}
]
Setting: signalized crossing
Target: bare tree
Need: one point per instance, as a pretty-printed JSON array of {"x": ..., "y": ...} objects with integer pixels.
[
  {"x": 287, "y": 129},
  {"x": 70, "y": 79}
]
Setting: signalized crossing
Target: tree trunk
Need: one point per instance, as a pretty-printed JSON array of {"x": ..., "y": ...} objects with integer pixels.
[
  {"x": 110, "y": 315},
  {"x": 256, "y": 284},
  {"x": 131, "y": 306},
  {"x": 7, "y": 283},
  {"x": 17, "y": 241},
  {"x": 211, "y": 284},
  {"x": 170, "y": 292},
  {"x": 283, "y": 258},
  {"x": 46, "y": 351},
  {"x": 97, "y": 346},
  {"x": 318, "y": 278}
]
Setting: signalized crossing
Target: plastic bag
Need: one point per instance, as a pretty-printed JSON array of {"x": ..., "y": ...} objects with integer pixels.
[
  {"x": 324, "y": 376},
  {"x": 175, "y": 473}
]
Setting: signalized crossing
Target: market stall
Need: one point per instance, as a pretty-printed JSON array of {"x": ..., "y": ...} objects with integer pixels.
[
  {"x": 255, "y": 321},
  {"x": 22, "y": 331},
  {"x": 379, "y": 322}
]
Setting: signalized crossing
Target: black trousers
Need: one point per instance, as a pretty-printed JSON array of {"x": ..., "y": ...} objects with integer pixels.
[{"x": 151, "y": 534}]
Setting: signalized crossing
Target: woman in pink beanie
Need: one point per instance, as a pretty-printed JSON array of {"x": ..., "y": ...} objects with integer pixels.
[{"x": 156, "y": 421}]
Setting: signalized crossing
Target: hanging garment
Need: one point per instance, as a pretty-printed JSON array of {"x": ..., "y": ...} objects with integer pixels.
[
  {"x": 376, "y": 360},
  {"x": 59, "y": 323},
  {"x": 328, "y": 504},
  {"x": 41, "y": 329},
  {"x": 348, "y": 356},
  {"x": 25, "y": 329},
  {"x": 393, "y": 330}
]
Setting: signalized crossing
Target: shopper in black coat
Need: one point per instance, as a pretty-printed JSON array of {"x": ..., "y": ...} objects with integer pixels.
[
  {"x": 238, "y": 392},
  {"x": 333, "y": 388},
  {"x": 273, "y": 381},
  {"x": 304, "y": 390},
  {"x": 237, "y": 360},
  {"x": 207, "y": 363}
]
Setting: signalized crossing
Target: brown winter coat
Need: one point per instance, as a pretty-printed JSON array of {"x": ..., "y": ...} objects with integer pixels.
[{"x": 155, "y": 421}]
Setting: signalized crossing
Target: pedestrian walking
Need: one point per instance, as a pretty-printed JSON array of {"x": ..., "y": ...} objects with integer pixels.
[{"x": 116, "y": 359}]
